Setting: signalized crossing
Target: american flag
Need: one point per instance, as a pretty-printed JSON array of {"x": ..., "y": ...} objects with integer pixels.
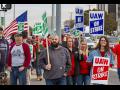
[{"x": 19, "y": 24}]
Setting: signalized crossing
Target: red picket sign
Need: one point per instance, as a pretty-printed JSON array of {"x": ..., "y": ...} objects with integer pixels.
[{"x": 100, "y": 71}]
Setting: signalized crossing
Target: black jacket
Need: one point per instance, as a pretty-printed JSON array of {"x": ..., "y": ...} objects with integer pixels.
[{"x": 77, "y": 58}]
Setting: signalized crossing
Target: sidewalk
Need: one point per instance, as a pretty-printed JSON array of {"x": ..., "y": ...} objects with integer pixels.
[{"x": 34, "y": 80}]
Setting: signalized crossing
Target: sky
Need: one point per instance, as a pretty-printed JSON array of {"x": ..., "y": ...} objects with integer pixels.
[{"x": 35, "y": 12}]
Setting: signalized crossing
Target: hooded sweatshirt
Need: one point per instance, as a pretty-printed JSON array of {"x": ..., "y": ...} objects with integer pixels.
[{"x": 4, "y": 51}]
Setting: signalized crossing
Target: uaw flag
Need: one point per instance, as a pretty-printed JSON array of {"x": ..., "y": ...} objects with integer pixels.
[{"x": 19, "y": 24}]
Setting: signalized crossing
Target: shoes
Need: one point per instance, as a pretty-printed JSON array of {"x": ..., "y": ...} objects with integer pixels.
[{"x": 39, "y": 78}]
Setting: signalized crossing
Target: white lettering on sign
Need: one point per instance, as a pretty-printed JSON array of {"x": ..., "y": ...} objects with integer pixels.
[
  {"x": 96, "y": 29},
  {"x": 100, "y": 69},
  {"x": 96, "y": 15},
  {"x": 100, "y": 75},
  {"x": 78, "y": 25},
  {"x": 96, "y": 23},
  {"x": 79, "y": 19}
]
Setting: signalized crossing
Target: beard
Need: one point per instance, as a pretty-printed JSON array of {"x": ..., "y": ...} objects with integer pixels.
[{"x": 54, "y": 45}]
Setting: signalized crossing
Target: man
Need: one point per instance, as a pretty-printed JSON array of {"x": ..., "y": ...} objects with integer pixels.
[
  {"x": 116, "y": 51},
  {"x": 25, "y": 36},
  {"x": 60, "y": 63},
  {"x": 38, "y": 51},
  {"x": 18, "y": 60},
  {"x": 4, "y": 51},
  {"x": 63, "y": 35}
]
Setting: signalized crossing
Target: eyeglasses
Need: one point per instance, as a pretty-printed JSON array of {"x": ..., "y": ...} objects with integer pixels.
[{"x": 103, "y": 40}]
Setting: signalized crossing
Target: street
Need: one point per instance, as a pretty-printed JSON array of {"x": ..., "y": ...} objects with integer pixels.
[{"x": 113, "y": 77}]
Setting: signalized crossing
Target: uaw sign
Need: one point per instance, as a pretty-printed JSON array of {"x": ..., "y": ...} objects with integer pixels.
[
  {"x": 79, "y": 19},
  {"x": 66, "y": 29},
  {"x": 100, "y": 70},
  {"x": 96, "y": 22}
]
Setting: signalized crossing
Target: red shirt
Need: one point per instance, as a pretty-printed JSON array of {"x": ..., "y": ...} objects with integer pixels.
[
  {"x": 72, "y": 65},
  {"x": 102, "y": 53},
  {"x": 116, "y": 50},
  {"x": 84, "y": 66}
]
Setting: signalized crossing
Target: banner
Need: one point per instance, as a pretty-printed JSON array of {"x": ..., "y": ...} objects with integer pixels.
[
  {"x": 37, "y": 30},
  {"x": 100, "y": 71},
  {"x": 75, "y": 32},
  {"x": 96, "y": 22},
  {"x": 79, "y": 18},
  {"x": 53, "y": 32},
  {"x": 66, "y": 29},
  {"x": 45, "y": 25}
]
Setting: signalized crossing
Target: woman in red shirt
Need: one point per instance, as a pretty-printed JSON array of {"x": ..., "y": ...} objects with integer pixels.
[
  {"x": 84, "y": 74},
  {"x": 71, "y": 78}
]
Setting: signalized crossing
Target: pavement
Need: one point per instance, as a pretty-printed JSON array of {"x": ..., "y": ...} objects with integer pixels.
[{"x": 113, "y": 77}]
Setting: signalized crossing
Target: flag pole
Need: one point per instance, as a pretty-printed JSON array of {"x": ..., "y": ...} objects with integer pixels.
[{"x": 47, "y": 51}]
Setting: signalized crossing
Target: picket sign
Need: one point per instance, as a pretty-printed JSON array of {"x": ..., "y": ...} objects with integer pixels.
[{"x": 100, "y": 70}]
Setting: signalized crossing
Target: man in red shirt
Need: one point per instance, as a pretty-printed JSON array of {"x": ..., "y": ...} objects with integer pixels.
[
  {"x": 49, "y": 40},
  {"x": 116, "y": 51},
  {"x": 18, "y": 60}
]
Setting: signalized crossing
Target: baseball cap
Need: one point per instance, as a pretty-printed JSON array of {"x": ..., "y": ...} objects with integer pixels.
[
  {"x": 1, "y": 27},
  {"x": 18, "y": 33}
]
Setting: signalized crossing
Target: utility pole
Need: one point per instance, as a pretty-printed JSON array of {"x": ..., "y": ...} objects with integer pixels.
[
  {"x": 52, "y": 19},
  {"x": 58, "y": 20},
  {"x": 89, "y": 6},
  {"x": 70, "y": 20},
  {"x": 14, "y": 13}
]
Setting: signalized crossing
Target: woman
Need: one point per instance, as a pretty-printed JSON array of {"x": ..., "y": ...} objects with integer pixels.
[
  {"x": 75, "y": 61},
  {"x": 84, "y": 74},
  {"x": 102, "y": 50}
]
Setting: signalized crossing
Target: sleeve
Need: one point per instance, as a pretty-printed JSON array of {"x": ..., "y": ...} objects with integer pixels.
[
  {"x": 90, "y": 57},
  {"x": 42, "y": 59},
  {"x": 7, "y": 52},
  {"x": 27, "y": 55},
  {"x": 9, "y": 59},
  {"x": 111, "y": 59},
  {"x": 68, "y": 63},
  {"x": 81, "y": 57},
  {"x": 34, "y": 49},
  {"x": 115, "y": 50}
]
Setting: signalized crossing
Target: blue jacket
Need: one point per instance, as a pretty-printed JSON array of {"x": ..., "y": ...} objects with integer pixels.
[
  {"x": 97, "y": 53},
  {"x": 4, "y": 51}
]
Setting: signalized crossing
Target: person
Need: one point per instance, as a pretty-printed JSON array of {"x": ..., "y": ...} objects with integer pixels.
[
  {"x": 84, "y": 74},
  {"x": 102, "y": 50},
  {"x": 75, "y": 61},
  {"x": 63, "y": 35},
  {"x": 76, "y": 41},
  {"x": 18, "y": 60},
  {"x": 116, "y": 51},
  {"x": 4, "y": 51},
  {"x": 38, "y": 51},
  {"x": 33, "y": 40},
  {"x": 49, "y": 40},
  {"x": 12, "y": 40},
  {"x": 60, "y": 63},
  {"x": 28, "y": 75}
]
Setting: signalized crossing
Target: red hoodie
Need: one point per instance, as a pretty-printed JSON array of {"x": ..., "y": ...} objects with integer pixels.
[
  {"x": 84, "y": 67},
  {"x": 44, "y": 43}
]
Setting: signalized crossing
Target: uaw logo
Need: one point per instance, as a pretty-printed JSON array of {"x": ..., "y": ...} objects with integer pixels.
[{"x": 3, "y": 46}]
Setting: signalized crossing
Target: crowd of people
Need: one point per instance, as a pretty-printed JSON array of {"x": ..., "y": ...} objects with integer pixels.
[{"x": 68, "y": 65}]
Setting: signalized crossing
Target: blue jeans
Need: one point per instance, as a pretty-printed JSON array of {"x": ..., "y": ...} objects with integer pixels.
[
  {"x": 15, "y": 74},
  {"x": 2, "y": 69},
  {"x": 71, "y": 79},
  {"x": 118, "y": 71},
  {"x": 83, "y": 78},
  {"x": 60, "y": 81},
  {"x": 38, "y": 70}
]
